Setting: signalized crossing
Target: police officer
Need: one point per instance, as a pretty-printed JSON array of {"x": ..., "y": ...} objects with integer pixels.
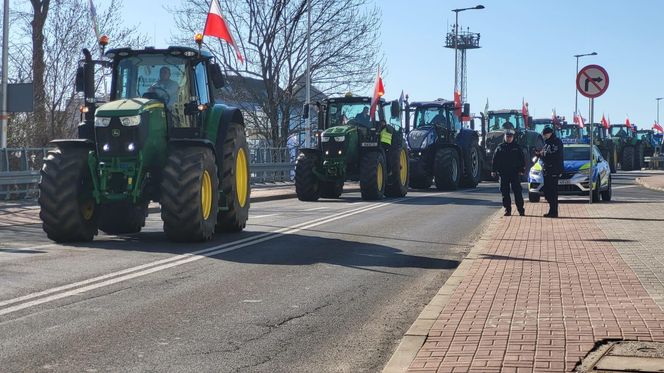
[
  {"x": 552, "y": 157},
  {"x": 509, "y": 164}
]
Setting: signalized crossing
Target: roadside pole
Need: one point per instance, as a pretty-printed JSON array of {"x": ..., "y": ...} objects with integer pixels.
[
  {"x": 591, "y": 129},
  {"x": 5, "y": 71}
]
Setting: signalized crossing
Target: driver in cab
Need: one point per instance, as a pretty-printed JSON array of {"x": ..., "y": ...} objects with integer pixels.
[
  {"x": 165, "y": 87},
  {"x": 363, "y": 117}
]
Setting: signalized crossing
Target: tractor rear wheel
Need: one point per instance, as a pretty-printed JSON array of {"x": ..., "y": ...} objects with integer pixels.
[
  {"x": 446, "y": 169},
  {"x": 473, "y": 165},
  {"x": 372, "y": 175},
  {"x": 397, "y": 181},
  {"x": 68, "y": 210},
  {"x": 613, "y": 159},
  {"x": 235, "y": 182},
  {"x": 122, "y": 217},
  {"x": 190, "y": 194},
  {"x": 306, "y": 181},
  {"x": 331, "y": 189},
  {"x": 628, "y": 162}
]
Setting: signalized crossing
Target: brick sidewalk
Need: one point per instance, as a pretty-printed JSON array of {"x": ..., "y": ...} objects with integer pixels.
[{"x": 538, "y": 293}]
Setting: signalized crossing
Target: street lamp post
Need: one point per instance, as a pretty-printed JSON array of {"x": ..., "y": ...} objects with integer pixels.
[
  {"x": 658, "y": 100},
  {"x": 456, "y": 40},
  {"x": 5, "y": 47},
  {"x": 307, "y": 139},
  {"x": 576, "y": 96}
]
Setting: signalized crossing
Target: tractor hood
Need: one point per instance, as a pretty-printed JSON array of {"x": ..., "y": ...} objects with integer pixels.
[
  {"x": 338, "y": 131},
  {"x": 421, "y": 138},
  {"x": 128, "y": 107}
]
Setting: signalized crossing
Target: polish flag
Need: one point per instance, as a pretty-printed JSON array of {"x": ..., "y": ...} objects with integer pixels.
[
  {"x": 578, "y": 119},
  {"x": 457, "y": 103},
  {"x": 629, "y": 124},
  {"x": 605, "y": 124},
  {"x": 524, "y": 111},
  {"x": 216, "y": 26},
  {"x": 379, "y": 91},
  {"x": 658, "y": 127},
  {"x": 554, "y": 118}
]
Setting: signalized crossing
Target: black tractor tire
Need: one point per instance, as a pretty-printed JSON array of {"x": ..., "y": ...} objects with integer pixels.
[
  {"x": 122, "y": 217},
  {"x": 331, "y": 189},
  {"x": 447, "y": 172},
  {"x": 613, "y": 159},
  {"x": 235, "y": 182},
  {"x": 628, "y": 160},
  {"x": 473, "y": 165},
  {"x": 639, "y": 157},
  {"x": 607, "y": 194},
  {"x": 397, "y": 181},
  {"x": 372, "y": 175},
  {"x": 188, "y": 211},
  {"x": 69, "y": 212},
  {"x": 307, "y": 185},
  {"x": 533, "y": 197},
  {"x": 421, "y": 182}
]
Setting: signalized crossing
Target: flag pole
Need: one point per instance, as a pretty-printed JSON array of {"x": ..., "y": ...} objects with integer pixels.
[
  {"x": 5, "y": 71},
  {"x": 307, "y": 139}
]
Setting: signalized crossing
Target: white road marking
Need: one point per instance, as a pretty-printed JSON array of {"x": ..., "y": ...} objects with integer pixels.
[
  {"x": 145, "y": 269},
  {"x": 28, "y": 248},
  {"x": 316, "y": 208},
  {"x": 261, "y": 216}
]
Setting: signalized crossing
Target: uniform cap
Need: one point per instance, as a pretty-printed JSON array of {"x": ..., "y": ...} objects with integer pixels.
[{"x": 547, "y": 130}]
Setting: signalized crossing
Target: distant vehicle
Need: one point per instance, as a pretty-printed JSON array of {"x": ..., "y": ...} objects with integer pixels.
[
  {"x": 441, "y": 150},
  {"x": 628, "y": 147},
  {"x": 649, "y": 142},
  {"x": 539, "y": 124},
  {"x": 579, "y": 176},
  {"x": 494, "y": 125},
  {"x": 604, "y": 142}
]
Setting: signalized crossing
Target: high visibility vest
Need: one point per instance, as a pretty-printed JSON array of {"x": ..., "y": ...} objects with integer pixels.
[{"x": 385, "y": 137}]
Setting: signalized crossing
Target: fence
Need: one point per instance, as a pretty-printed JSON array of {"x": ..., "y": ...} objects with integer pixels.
[{"x": 19, "y": 169}]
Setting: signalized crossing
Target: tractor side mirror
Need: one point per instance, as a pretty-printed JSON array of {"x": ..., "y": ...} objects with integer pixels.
[
  {"x": 395, "y": 110},
  {"x": 216, "y": 76},
  {"x": 321, "y": 115},
  {"x": 305, "y": 111},
  {"x": 80, "y": 79},
  {"x": 466, "y": 110}
]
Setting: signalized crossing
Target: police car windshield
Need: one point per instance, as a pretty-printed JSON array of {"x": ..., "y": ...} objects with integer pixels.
[
  {"x": 497, "y": 121},
  {"x": 576, "y": 153},
  {"x": 431, "y": 116},
  {"x": 344, "y": 113}
]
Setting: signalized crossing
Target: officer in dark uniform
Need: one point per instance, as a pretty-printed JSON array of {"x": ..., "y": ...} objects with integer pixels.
[
  {"x": 509, "y": 164},
  {"x": 552, "y": 157}
]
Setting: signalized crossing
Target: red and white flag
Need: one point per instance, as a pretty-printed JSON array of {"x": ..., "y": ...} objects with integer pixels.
[
  {"x": 578, "y": 119},
  {"x": 457, "y": 103},
  {"x": 629, "y": 124},
  {"x": 605, "y": 123},
  {"x": 658, "y": 127},
  {"x": 554, "y": 118},
  {"x": 216, "y": 26},
  {"x": 524, "y": 111},
  {"x": 379, "y": 91}
]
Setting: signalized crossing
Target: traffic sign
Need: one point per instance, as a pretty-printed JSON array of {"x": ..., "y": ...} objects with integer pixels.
[{"x": 592, "y": 81}]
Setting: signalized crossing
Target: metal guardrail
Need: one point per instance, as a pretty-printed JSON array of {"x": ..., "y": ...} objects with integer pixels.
[
  {"x": 19, "y": 169},
  {"x": 654, "y": 163}
]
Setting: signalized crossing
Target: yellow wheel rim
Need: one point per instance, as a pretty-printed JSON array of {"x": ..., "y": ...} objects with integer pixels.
[
  {"x": 403, "y": 164},
  {"x": 379, "y": 175},
  {"x": 241, "y": 177},
  {"x": 206, "y": 195},
  {"x": 88, "y": 209}
]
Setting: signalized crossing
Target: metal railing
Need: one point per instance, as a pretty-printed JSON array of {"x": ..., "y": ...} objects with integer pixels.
[{"x": 19, "y": 169}]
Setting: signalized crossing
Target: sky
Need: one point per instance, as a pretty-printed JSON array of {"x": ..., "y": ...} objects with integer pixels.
[{"x": 527, "y": 50}]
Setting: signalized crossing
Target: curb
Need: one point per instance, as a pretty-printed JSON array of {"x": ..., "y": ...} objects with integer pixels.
[
  {"x": 643, "y": 182},
  {"x": 417, "y": 334}
]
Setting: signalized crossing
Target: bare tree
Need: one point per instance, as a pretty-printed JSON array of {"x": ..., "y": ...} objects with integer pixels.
[
  {"x": 272, "y": 37},
  {"x": 66, "y": 28}
]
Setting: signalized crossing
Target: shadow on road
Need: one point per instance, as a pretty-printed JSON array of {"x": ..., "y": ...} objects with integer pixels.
[
  {"x": 446, "y": 200},
  {"x": 503, "y": 257}
]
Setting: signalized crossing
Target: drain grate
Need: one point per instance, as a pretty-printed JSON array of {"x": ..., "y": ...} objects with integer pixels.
[{"x": 624, "y": 356}]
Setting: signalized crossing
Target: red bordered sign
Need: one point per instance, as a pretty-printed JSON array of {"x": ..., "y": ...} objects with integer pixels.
[{"x": 592, "y": 81}]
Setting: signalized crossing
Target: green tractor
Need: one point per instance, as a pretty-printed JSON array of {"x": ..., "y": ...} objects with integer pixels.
[
  {"x": 162, "y": 137},
  {"x": 604, "y": 143},
  {"x": 649, "y": 141},
  {"x": 628, "y": 147},
  {"x": 493, "y": 129},
  {"x": 353, "y": 147}
]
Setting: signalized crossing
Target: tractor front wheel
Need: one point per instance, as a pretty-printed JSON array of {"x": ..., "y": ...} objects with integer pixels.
[
  {"x": 446, "y": 169},
  {"x": 628, "y": 160},
  {"x": 397, "y": 181},
  {"x": 235, "y": 179},
  {"x": 190, "y": 194},
  {"x": 372, "y": 175},
  {"x": 68, "y": 209},
  {"x": 306, "y": 181}
]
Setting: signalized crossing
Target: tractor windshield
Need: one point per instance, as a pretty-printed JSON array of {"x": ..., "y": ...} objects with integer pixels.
[
  {"x": 642, "y": 135},
  {"x": 598, "y": 133},
  {"x": 619, "y": 131},
  {"x": 497, "y": 121},
  {"x": 152, "y": 76},
  {"x": 345, "y": 113},
  {"x": 568, "y": 132},
  {"x": 432, "y": 116},
  {"x": 540, "y": 126}
]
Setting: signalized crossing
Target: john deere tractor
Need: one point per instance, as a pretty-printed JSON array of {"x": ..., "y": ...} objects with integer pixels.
[
  {"x": 441, "y": 150},
  {"x": 494, "y": 125},
  {"x": 628, "y": 147},
  {"x": 162, "y": 137},
  {"x": 354, "y": 147}
]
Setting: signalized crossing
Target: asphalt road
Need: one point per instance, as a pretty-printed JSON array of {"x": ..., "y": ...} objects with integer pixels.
[{"x": 326, "y": 286}]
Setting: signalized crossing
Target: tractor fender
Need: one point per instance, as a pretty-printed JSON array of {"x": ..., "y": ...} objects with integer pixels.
[
  {"x": 74, "y": 144},
  {"x": 177, "y": 143},
  {"x": 220, "y": 120}
]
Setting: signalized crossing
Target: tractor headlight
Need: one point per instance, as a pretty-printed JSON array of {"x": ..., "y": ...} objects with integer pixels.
[
  {"x": 102, "y": 121},
  {"x": 340, "y": 138},
  {"x": 324, "y": 139},
  {"x": 132, "y": 121}
]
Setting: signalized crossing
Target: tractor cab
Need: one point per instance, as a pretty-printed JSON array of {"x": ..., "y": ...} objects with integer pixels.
[
  {"x": 432, "y": 121},
  {"x": 622, "y": 131},
  {"x": 538, "y": 125},
  {"x": 569, "y": 133}
]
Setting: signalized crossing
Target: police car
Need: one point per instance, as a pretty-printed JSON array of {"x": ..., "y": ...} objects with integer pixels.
[{"x": 577, "y": 175}]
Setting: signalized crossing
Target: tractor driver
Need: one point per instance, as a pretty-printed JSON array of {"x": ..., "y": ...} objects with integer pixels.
[
  {"x": 165, "y": 87},
  {"x": 438, "y": 120},
  {"x": 363, "y": 117}
]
